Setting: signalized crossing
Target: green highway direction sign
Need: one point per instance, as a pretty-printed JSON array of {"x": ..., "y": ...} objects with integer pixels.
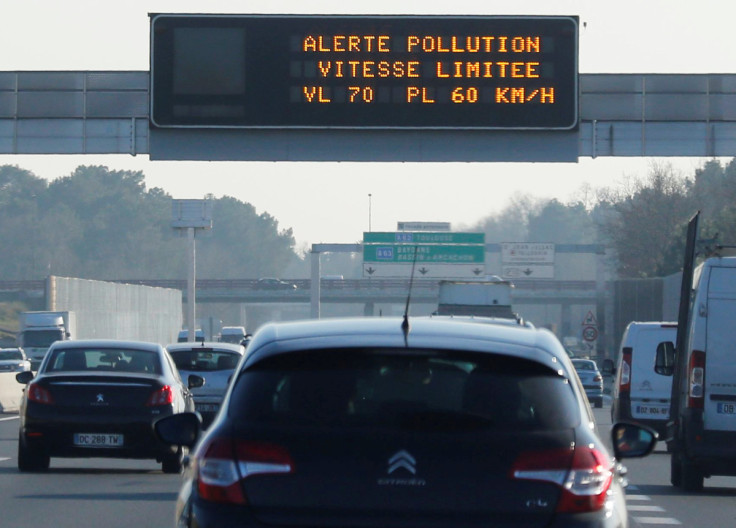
[
  {"x": 441, "y": 255},
  {"x": 449, "y": 254}
]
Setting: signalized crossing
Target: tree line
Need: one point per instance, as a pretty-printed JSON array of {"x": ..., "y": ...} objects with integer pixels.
[
  {"x": 99, "y": 223},
  {"x": 641, "y": 221}
]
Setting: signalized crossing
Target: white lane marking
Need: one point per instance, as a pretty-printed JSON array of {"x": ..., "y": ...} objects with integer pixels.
[
  {"x": 3, "y": 459},
  {"x": 638, "y": 497},
  {"x": 644, "y": 508},
  {"x": 9, "y": 418}
]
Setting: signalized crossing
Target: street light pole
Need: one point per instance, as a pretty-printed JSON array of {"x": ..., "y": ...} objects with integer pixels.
[
  {"x": 191, "y": 287},
  {"x": 369, "y": 212},
  {"x": 191, "y": 215}
]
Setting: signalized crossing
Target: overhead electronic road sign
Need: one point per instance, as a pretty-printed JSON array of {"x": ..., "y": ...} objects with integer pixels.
[{"x": 383, "y": 72}]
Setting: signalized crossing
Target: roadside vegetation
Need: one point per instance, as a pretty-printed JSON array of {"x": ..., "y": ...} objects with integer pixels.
[
  {"x": 98, "y": 223},
  {"x": 641, "y": 221},
  {"x": 101, "y": 224}
]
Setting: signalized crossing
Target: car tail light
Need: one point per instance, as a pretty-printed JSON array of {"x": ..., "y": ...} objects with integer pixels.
[
  {"x": 624, "y": 381},
  {"x": 162, "y": 396},
  {"x": 696, "y": 379},
  {"x": 39, "y": 394},
  {"x": 597, "y": 377},
  {"x": 223, "y": 463},
  {"x": 584, "y": 475}
]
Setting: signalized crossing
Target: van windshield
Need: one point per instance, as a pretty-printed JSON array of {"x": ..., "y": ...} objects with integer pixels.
[{"x": 41, "y": 338}]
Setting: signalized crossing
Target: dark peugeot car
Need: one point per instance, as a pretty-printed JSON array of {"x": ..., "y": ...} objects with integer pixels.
[
  {"x": 99, "y": 399},
  {"x": 365, "y": 422}
]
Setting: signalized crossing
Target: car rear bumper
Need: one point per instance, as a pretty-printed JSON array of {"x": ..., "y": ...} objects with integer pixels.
[
  {"x": 54, "y": 435},
  {"x": 192, "y": 511},
  {"x": 713, "y": 451},
  {"x": 594, "y": 393}
]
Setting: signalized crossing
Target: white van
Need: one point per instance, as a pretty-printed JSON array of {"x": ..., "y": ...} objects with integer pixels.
[
  {"x": 645, "y": 365},
  {"x": 183, "y": 336},
  {"x": 232, "y": 334},
  {"x": 704, "y": 399}
]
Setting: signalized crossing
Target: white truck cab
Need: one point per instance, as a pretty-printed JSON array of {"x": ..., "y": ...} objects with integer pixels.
[{"x": 233, "y": 334}]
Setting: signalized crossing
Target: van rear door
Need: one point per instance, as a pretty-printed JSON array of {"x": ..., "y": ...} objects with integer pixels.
[
  {"x": 650, "y": 390},
  {"x": 720, "y": 353}
]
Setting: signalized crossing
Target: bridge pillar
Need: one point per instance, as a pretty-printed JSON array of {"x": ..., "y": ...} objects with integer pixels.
[
  {"x": 566, "y": 320},
  {"x": 369, "y": 308},
  {"x": 315, "y": 286}
]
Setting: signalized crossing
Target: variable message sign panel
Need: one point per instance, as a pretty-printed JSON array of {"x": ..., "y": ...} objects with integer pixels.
[{"x": 386, "y": 72}]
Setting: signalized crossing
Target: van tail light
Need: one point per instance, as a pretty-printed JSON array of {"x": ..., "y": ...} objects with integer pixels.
[
  {"x": 162, "y": 396},
  {"x": 584, "y": 475},
  {"x": 624, "y": 381},
  {"x": 39, "y": 394},
  {"x": 221, "y": 464},
  {"x": 696, "y": 380}
]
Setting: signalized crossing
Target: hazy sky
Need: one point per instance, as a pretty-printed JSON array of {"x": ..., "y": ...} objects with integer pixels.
[{"x": 329, "y": 202}]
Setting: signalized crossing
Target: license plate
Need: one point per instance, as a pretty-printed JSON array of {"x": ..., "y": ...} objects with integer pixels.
[
  {"x": 726, "y": 408},
  {"x": 207, "y": 407},
  {"x": 651, "y": 410},
  {"x": 98, "y": 440}
]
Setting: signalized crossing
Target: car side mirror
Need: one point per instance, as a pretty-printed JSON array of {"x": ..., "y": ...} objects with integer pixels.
[
  {"x": 24, "y": 377},
  {"x": 632, "y": 440},
  {"x": 194, "y": 381},
  {"x": 181, "y": 429}
]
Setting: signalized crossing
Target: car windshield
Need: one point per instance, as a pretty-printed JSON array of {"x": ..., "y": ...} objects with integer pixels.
[
  {"x": 584, "y": 365},
  {"x": 202, "y": 359},
  {"x": 414, "y": 389},
  {"x": 103, "y": 359},
  {"x": 10, "y": 354}
]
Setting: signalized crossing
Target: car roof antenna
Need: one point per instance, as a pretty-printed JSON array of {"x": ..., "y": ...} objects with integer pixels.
[{"x": 405, "y": 322}]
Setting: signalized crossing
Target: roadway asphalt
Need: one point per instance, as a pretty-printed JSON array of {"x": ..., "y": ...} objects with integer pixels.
[{"x": 114, "y": 493}]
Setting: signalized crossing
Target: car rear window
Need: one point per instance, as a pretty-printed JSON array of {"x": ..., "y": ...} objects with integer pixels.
[
  {"x": 201, "y": 359},
  {"x": 10, "y": 355},
  {"x": 104, "y": 359},
  {"x": 584, "y": 365},
  {"x": 369, "y": 387}
]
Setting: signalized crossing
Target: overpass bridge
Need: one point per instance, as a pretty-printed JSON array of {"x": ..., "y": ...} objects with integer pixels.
[
  {"x": 332, "y": 291},
  {"x": 368, "y": 291}
]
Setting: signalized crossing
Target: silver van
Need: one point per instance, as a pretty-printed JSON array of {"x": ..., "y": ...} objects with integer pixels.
[{"x": 704, "y": 395}]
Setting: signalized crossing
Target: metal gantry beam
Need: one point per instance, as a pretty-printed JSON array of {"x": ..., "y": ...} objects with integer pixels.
[{"x": 626, "y": 115}]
